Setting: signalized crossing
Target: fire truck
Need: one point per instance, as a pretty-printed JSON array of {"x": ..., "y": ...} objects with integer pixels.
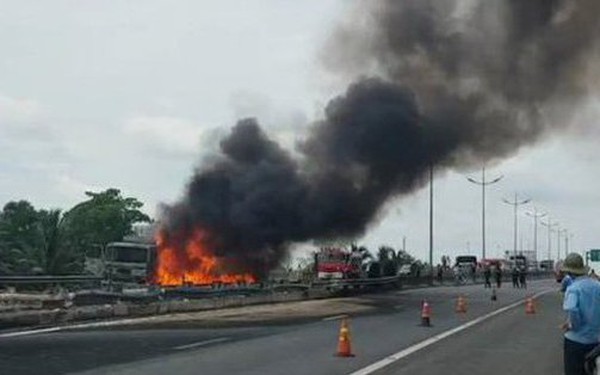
[{"x": 338, "y": 263}]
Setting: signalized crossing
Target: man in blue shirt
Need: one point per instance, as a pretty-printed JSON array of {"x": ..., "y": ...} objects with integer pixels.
[
  {"x": 582, "y": 305},
  {"x": 566, "y": 281}
]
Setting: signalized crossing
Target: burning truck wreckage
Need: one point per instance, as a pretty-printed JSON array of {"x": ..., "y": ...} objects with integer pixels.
[{"x": 454, "y": 85}]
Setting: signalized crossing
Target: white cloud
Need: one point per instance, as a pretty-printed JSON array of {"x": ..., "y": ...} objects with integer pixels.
[
  {"x": 22, "y": 110},
  {"x": 171, "y": 135},
  {"x": 24, "y": 122},
  {"x": 70, "y": 188}
]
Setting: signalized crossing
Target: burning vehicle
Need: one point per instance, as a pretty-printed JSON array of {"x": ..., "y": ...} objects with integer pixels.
[{"x": 195, "y": 265}]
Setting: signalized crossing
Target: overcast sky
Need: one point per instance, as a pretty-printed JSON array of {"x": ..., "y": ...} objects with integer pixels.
[{"x": 131, "y": 94}]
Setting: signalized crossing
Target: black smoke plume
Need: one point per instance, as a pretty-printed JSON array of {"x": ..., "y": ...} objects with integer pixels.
[{"x": 461, "y": 83}]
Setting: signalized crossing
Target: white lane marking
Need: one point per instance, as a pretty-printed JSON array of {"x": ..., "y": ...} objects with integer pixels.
[
  {"x": 432, "y": 340},
  {"x": 76, "y": 326},
  {"x": 201, "y": 343},
  {"x": 30, "y": 332},
  {"x": 335, "y": 317},
  {"x": 109, "y": 323}
]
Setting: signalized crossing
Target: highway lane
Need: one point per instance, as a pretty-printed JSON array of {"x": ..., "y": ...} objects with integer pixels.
[
  {"x": 62, "y": 352},
  {"x": 511, "y": 343},
  {"x": 298, "y": 347}
]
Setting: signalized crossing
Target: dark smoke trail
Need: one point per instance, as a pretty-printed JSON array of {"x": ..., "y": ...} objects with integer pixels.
[
  {"x": 495, "y": 75},
  {"x": 463, "y": 82}
]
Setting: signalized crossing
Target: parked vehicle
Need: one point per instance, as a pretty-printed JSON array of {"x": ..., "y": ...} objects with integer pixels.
[
  {"x": 338, "y": 263},
  {"x": 558, "y": 274},
  {"x": 547, "y": 265},
  {"x": 123, "y": 262},
  {"x": 405, "y": 270}
]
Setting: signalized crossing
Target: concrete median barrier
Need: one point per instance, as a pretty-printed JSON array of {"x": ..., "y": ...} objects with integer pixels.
[{"x": 143, "y": 307}]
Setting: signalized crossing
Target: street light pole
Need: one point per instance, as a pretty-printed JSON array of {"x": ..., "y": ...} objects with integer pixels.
[
  {"x": 549, "y": 225},
  {"x": 516, "y": 203},
  {"x": 558, "y": 233},
  {"x": 483, "y": 184},
  {"x": 566, "y": 233},
  {"x": 536, "y": 215},
  {"x": 431, "y": 222}
]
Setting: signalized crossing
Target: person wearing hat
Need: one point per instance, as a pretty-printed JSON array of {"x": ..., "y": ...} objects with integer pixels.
[{"x": 582, "y": 305}]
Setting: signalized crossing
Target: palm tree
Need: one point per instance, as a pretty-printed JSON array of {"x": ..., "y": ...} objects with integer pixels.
[
  {"x": 365, "y": 255},
  {"x": 402, "y": 257},
  {"x": 54, "y": 254},
  {"x": 14, "y": 260},
  {"x": 43, "y": 248}
]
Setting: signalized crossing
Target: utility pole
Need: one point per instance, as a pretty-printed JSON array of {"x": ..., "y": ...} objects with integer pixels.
[
  {"x": 536, "y": 215},
  {"x": 549, "y": 225},
  {"x": 521, "y": 248},
  {"x": 558, "y": 233},
  {"x": 431, "y": 222},
  {"x": 566, "y": 233},
  {"x": 483, "y": 184},
  {"x": 516, "y": 203}
]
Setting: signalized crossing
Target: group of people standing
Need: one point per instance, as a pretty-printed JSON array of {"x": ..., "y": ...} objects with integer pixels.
[
  {"x": 487, "y": 275},
  {"x": 519, "y": 277}
]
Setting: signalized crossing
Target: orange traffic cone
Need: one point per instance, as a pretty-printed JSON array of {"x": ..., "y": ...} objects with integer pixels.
[
  {"x": 425, "y": 314},
  {"x": 461, "y": 305},
  {"x": 344, "y": 347},
  {"x": 529, "y": 306}
]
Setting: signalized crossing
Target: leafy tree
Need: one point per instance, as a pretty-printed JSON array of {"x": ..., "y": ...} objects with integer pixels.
[
  {"x": 374, "y": 270},
  {"x": 105, "y": 217},
  {"x": 18, "y": 224},
  {"x": 46, "y": 241},
  {"x": 402, "y": 257},
  {"x": 365, "y": 255},
  {"x": 18, "y": 236}
]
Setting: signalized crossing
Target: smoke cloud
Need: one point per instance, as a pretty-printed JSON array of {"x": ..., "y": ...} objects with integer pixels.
[{"x": 460, "y": 83}]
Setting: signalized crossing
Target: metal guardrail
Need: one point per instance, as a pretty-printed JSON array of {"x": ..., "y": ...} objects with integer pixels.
[
  {"x": 424, "y": 280},
  {"x": 49, "y": 279},
  {"x": 400, "y": 280},
  {"x": 358, "y": 282}
]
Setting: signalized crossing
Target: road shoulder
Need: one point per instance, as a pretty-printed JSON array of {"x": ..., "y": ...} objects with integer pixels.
[{"x": 510, "y": 343}]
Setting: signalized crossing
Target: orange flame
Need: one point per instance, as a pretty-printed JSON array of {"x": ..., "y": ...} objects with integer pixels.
[{"x": 194, "y": 265}]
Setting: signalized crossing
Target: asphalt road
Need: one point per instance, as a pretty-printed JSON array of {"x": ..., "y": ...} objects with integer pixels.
[
  {"x": 506, "y": 343},
  {"x": 511, "y": 343}
]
